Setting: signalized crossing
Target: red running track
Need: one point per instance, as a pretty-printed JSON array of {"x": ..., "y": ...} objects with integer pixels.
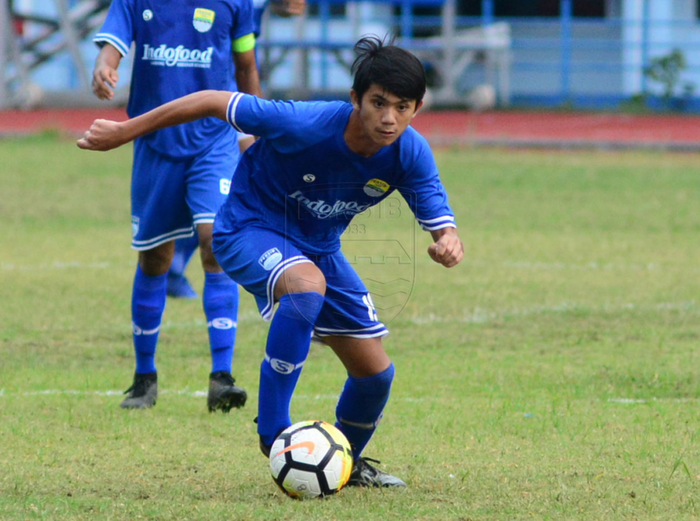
[{"x": 545, "y": 129}]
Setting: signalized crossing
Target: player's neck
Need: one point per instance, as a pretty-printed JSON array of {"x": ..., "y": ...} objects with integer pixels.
[{"x": 356, "y": 137}]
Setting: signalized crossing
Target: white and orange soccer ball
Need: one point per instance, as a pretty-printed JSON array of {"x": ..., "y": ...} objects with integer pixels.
[{"x": 311, "y": 459}]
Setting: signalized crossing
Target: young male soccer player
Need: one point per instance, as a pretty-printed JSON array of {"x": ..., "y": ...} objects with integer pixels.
[
  {"x": 181, "y": 175},
  {"x": 315, "y": 166},
  {"x": 178, "y": 284}
]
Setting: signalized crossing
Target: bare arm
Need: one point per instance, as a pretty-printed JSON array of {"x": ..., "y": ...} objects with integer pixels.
[
  {"x": 105, "y": 75},
  {"x": 106, "y": 135},
  {"x": 287, "y": 8},
  {"x": 447, "y": 249},
  {"x": 247, "y": 77}
]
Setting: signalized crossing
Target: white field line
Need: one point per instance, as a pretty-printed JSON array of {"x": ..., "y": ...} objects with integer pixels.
[
  {"x": 641, "y": 401},
  {"x": 480, "y": 316},
  {"x": 316, "y": 397},
  {"x": 181, "y": 392},
  {"x": 57, "y": 265}
]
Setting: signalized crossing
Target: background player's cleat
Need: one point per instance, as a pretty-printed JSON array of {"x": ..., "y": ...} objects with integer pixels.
[
  {"x": 224, "y": 395},
  {"x": 143, "y": 393},
  {"x": 180, "y": 287},
  {"x": 365, "y": 475},
  {"x": 265, "y": 448}
]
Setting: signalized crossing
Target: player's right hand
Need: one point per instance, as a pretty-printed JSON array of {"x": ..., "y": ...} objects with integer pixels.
[
  {"x": 104, "y": 81},
  {"x": 103, "y": 135}
]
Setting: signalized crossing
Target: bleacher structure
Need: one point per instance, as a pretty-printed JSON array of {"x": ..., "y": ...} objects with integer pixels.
[
  {"x": 52, "y": 36},
  {"x": 72, "y": 22}
]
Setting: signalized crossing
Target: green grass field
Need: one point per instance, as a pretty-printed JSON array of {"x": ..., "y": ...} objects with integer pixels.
[{"x": 552, "y": 375}]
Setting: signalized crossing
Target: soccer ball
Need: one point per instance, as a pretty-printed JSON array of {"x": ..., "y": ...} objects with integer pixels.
[{"x": 311, "y": 459}]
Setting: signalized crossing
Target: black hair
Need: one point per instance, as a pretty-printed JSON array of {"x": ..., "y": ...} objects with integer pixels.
[{"x": 394, "y": 69}]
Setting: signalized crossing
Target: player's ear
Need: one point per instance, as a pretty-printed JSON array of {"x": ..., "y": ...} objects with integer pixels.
[
  {"x": 418, "y": 106},
  {"x": 354, "y": 99}
]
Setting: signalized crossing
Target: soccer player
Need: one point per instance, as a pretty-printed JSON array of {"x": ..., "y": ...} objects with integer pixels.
[
  {"x": 181, "y": 175},
  {"x": 178, "y": 284},
  {"x": 315, "y": 166}
]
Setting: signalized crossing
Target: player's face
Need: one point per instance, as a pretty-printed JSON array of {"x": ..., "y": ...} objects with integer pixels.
[{"x": 384, "y": 115}]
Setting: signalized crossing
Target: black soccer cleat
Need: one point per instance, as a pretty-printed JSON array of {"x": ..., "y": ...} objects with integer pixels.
[
  {"x": 365, "y": 475},
  {"x": 143, "y": 393},
  {"x": 224, "y": 395}
]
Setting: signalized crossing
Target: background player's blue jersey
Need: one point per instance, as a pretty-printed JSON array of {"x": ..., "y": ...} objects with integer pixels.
[
  {"x": 301, "y": 179},
  {"x": 259, "y": 7},
  {"x": 180, "y": 47}
]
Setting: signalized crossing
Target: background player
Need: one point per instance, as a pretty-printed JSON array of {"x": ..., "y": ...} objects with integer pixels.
[
  {"x": 316, "y": 165},
  {"x": 181, "y": 175},
  {"x": 178, "y": 284}
]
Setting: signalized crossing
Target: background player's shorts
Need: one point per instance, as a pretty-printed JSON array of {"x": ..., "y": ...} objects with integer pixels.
[
  {"x": 169, "y": 195},
  {"x": 256, "y": 258}
]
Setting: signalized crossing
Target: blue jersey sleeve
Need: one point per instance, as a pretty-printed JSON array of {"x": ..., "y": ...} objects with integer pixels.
[
  {"x": 421, "y": 186},
  {"x": 288, "y": 125},
  {"x": 244, "y": 22},
  {"x": 118, "y": 27}
]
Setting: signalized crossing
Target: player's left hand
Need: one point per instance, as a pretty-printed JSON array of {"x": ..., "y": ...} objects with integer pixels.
[
  {"x": 103, "y": 135},
  {"x": 448, "y": 249}
]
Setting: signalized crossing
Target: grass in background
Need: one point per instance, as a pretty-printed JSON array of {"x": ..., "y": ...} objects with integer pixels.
[{"x": 553, "y": 374}]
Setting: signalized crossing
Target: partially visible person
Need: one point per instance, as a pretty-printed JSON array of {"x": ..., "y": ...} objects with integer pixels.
[
  {"x": 178, "y": 284},
  {"x": 316, "y": 166},
  {"x": 180, "y": 175}
]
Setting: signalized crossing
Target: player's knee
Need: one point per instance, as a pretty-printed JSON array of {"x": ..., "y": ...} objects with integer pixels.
[
  {"x": 301, "y": 278},
  {"x": 209, "y": 262},
  {"x": 305, "y": 306},
  {"x": 157, "y": 261}
]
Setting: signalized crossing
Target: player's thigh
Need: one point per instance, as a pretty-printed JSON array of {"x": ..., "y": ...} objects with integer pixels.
[
  {"x": 159, "y": 211},
  {"x": 209, "y": 181},
  {"x": 256, "y": 258},
  {"x": 361, "y": 357},
  {"x": 348, "y": 310}
]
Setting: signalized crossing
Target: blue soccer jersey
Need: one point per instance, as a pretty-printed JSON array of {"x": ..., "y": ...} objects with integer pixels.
[
  {"x": 259, "y": 7},
  {"x": 180, "y": 47},
  {"x": 301, "y": 179}
]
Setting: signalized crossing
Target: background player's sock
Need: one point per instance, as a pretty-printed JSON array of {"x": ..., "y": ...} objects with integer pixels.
[
  {"x": 220, "y": 301},
  {"x": 147, "y": 305},
  {"x": 360, "y": 407},
  {"x": 287, "y": 348}
]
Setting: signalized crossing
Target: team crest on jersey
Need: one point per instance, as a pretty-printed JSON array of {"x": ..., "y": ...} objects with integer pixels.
[
  {"x": 134, "y": 225},
  {"x": 203, "y": 19},
  {"x": 270, "y": 259},
  {"x": 147, "y": 14},
  {"x": 376, "y": 187}
]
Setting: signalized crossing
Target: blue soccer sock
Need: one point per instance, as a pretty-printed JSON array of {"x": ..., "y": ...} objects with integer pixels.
[
  {"x": 220, "y": 301},
  {"x": 184, "y": 249},
  {"x": 147, "y": 306},
  {"x": 287, "y": 348},
  {"x": 360, "y": 407}
]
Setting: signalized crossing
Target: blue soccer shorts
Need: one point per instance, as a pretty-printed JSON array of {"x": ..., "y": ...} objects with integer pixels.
[
  {"x": 257, "y": 257},
  {"x": 170, "y": 195}
]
